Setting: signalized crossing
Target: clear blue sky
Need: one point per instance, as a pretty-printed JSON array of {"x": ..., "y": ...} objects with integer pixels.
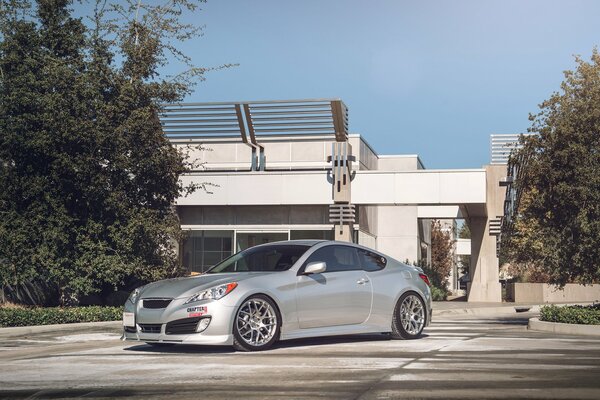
[{"x": 434, "y": 78}]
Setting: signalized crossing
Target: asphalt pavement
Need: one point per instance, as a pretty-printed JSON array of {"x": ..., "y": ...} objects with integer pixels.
[{"x": 459, "y": 356}]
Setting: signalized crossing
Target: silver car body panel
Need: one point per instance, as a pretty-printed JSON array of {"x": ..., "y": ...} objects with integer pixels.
[{"x": 326, "y": 304}]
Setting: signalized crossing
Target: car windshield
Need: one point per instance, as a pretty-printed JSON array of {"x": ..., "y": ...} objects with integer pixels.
[{"x": 272, "y": 258}]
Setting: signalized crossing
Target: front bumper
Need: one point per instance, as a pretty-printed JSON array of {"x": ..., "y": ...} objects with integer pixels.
[{"x": 218, "y": 332}]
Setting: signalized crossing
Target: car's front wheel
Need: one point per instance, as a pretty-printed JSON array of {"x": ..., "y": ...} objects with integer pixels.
[
  {"x": 256, "y": 325},
  {"x": 409, "y": 317}
]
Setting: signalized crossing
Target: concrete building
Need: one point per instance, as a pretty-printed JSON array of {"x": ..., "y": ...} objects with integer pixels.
[{"x": 290, "y": 170}]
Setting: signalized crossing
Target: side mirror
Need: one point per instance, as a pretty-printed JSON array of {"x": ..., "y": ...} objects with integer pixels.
[{"x": 315, "y": 268}]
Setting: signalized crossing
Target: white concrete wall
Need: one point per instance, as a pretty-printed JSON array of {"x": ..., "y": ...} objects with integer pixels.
[
  {"x": 367, "y": 239},
  {"x": 545, "y": 293},
  {"x": 419, "y": 187},
  {"x": 367, "y": 218},
  {"x": 399, "y": 163},
  {"x": 280, "y": 153},
  {"x": 463, "y": 247},
  {"x": 260, "y": 188},
  {"x": 439, "y": 212},
  {"x": 397, "y": 233},
  {"x": 313, "y": 187}
]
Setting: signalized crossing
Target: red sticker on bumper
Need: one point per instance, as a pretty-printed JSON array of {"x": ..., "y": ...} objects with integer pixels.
[{"x": 197, "y": 311}]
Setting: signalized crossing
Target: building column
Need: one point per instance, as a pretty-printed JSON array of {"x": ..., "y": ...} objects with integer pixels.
[{"x": 483, "y": 271}]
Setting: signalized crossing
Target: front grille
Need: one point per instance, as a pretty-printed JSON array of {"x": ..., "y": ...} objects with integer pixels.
[
  {"x": 130, "y": 329},
  {"x": 156, "y": 303},
  {"x": 150, "y": 328},
  {"x": 182, "y": 326}
]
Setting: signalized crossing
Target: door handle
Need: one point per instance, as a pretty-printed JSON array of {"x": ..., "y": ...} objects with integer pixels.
[{"x": 362, "y": 281}]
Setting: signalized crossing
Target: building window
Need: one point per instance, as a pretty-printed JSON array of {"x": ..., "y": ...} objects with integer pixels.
[
  {"x": 203, "y": 249},
  {"x": 319, "y": 235}
]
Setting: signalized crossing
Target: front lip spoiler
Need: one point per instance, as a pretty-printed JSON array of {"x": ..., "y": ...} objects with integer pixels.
[{"x": 195, "y": 339}]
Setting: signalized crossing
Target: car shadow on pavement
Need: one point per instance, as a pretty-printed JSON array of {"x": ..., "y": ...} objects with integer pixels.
[
  {"x": 181, "y": 348},
  {"x": 346, "y": 339}
]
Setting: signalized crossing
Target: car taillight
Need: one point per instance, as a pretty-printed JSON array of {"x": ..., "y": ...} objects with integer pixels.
[{"x": 425, "y": 279}]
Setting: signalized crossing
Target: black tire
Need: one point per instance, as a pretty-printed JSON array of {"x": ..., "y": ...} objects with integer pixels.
[
  {"x": 404, "y": 324},
  {"x": 245, "y": 322},
  {"x": 159, "y": 344}
]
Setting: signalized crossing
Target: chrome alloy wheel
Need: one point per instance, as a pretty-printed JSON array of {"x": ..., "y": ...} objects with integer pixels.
[
  {"x": 256, "y": 322},
  {"x": 412, "y": 315}
]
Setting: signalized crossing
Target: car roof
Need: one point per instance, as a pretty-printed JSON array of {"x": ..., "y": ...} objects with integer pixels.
[{"x": 301, "y": 242}]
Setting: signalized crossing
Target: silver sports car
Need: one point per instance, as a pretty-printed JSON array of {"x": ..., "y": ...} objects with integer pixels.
[{"x": 280, "y": 291}]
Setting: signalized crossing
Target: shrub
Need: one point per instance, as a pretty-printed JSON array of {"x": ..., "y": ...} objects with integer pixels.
[
  {"x": 12, "y": 316},
  {"x": 438, "y": 294},
  {"x": 585, "y": 315}
]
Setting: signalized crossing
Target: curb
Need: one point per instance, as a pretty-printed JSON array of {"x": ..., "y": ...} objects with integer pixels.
[
  {"x": 27, "y": 330},
  {"x": 482, "y": 310},
  {"x": 565, "y": 329},
  {"x": 507, "y": 309}
]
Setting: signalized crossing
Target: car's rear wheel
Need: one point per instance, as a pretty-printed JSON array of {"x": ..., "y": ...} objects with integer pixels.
[
  {"x": 410, "y": 317},
  {"x": 256, "y": 325}
]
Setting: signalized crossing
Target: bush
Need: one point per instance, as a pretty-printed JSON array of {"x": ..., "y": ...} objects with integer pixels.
[
  {"x": 438, "y": 294},
  {"x": 10, "y": 316},
  {"x": 585, "y": 315}
]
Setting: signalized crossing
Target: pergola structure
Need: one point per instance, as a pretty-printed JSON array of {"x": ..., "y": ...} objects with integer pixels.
[{"x": 247, "y": 120}]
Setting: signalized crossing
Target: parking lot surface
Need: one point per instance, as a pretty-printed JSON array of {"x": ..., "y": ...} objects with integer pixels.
[{"x": 467, "y": 357}]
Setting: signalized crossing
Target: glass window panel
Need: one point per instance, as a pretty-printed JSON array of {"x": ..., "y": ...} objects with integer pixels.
[
  {"x": 337, "y": 258},
  {"x": 212, "y": 258},
  {"x": 212, "y": 244},
  {"x": 227, "y": 244},
  {"x": 371, "y": 261},
  {"x": 197, "y": 243},
  {"x": 202, "y": 249},
  {"x": 274, "y": 257},
  {"x": 246, "y": 240}
]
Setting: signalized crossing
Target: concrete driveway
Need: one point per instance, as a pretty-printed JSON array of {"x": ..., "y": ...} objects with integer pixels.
[{"x": 462, "y": 357}]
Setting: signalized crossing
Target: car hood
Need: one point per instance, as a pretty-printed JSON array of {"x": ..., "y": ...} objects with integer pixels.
[{"x": 185, "y": 287}]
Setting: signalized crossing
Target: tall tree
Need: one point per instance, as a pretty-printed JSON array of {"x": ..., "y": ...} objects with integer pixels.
[
  {"x": 442, "y": 249},
  {"x": 557, "y": 227},
  {"x": 88, "y": 178}
]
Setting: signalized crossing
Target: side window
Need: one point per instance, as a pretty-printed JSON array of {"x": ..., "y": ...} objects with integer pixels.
[
  {"x": 371, "y": 261},
  {"x": 338, "y": 258}
]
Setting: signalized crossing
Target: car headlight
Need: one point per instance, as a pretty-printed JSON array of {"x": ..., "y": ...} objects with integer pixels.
[
  {"x": 214, "y": 293},
  {"x": 134, "y": 295}
]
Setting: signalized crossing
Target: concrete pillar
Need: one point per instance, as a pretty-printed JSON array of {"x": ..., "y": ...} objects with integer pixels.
[
  {"x": 342, "y": 211},
  {"x": 484, "y": 269},
  {"x": 344, "y": 234},
  {"x": 484, "y": 284}
]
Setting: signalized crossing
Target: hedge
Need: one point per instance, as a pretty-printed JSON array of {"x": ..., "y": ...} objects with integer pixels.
[
  {"x": 584, "y": 315},
  {"x": 10, "y": 316},
  {"x": 438, "y": 294}
]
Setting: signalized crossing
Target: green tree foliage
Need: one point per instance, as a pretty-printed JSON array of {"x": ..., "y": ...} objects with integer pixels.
[
  {"x": 464, "y": 232},
  {"x": 557, "y": 228},
  {"x": 87, "y": 177},
  {"x": 441, "y": 256}
]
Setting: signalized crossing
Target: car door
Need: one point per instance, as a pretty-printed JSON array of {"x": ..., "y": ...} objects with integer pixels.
[{"x": 341, "y": 295}]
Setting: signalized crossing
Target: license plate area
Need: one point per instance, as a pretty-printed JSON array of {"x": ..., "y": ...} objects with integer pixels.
[{"x": 128, "y": 319}]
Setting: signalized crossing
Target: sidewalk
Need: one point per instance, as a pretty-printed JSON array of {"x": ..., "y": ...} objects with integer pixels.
[
  {"x": 441, "y": 308},
  {"x": 22, "y": 331}
]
